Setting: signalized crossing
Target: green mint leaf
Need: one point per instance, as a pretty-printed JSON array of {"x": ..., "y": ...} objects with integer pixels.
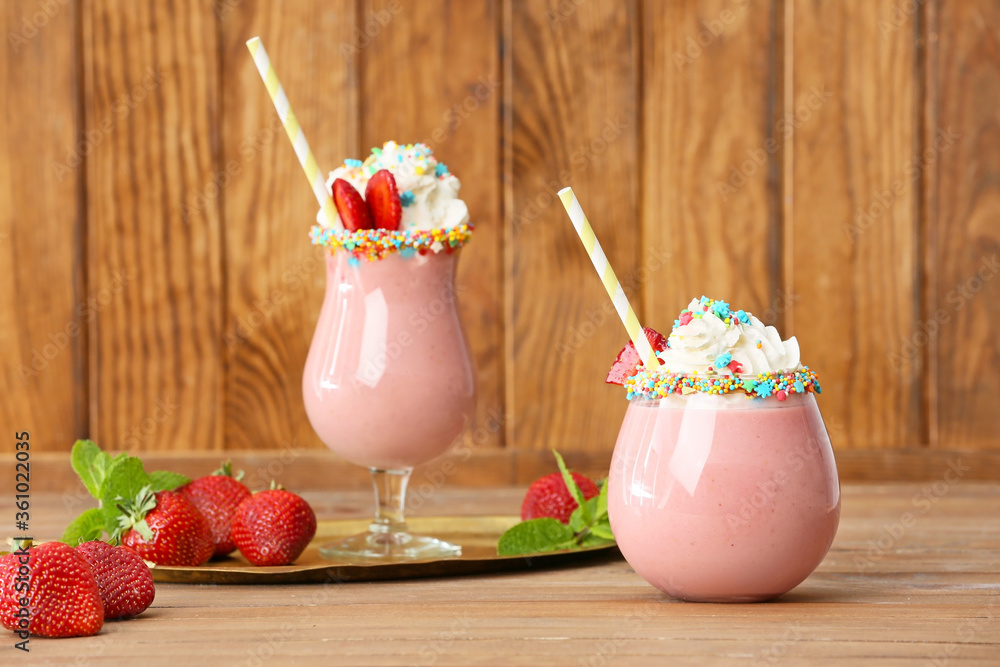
[
  {"x": 84, "y": 528},
  {"x": 602, "y": 529},
  {"x": 576, "y": 521},
  {"x": 574, "y": 489},
  {"x": 125, "y": 490},
  {"x": 601, "y": 510},
  {"x": 593, "y": 540},
  {"x": 535, "y": 536},
  {"x": 164, "y": 480},
  {"x": 126, "y": 479},
  {"x": 91, "y": 464},
  {"x": 114, "y": 520}
]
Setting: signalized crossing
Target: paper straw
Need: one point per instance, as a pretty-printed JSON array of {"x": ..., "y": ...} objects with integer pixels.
[
  {"x": 607, "y": 274},
  {"x": 294, "y": 131}
]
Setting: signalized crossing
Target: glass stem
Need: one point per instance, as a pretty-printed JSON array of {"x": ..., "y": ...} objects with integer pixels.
[{"x": 390, "y": 499}]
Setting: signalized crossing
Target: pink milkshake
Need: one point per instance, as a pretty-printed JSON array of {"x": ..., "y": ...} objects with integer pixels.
[
  {"x": 388, "y": 382},
  {"x": 723, "y": 485}
]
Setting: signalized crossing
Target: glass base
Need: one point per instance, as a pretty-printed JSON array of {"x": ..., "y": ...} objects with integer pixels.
[{"x": 377, "y": 545}]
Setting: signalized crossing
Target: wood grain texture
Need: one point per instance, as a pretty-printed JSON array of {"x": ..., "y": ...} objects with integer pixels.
[
  {"x": 275, "y": 279},
  {"x": 825, "y": 165},
  {"x": 306, "y": 469},
  {"x": 927, "y": 596},
  {"x": 156, "y": 268},
  {"x": 432, "y": 74},
  {"x": 573, "y": 104},
  {"x": 851, "y": 238},
  {"x": 962, "y": 171},
  {"x": 711, "y": 156},
  {"x": 43, "y": 326}
]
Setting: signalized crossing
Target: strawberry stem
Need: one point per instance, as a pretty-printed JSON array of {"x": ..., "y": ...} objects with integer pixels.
[
  {"x": 133, "y": 513},
  {"x": 226, "y": 470}
]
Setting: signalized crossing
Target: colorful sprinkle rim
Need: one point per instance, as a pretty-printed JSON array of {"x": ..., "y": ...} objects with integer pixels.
[
  {"x": 375, "y": 244},
  {"x": 659, "y": 384}
]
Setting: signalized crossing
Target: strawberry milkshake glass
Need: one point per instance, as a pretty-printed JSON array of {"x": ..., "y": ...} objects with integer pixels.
[
  {"x": 388, "y": 381},
  {"x": 723, "y": 484}
]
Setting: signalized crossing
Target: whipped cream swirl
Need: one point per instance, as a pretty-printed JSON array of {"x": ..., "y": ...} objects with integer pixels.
[
  {"x": 708, "y": 337},
  {"x": 428, "y": 191}
]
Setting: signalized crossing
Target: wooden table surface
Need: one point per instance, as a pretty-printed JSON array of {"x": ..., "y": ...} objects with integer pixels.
[{"x": 922, "y": 594}]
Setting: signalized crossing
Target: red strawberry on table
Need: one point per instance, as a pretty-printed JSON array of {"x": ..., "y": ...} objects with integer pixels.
[
  {"x": 217, "y": 496},
  {"x": 166, "y": 529},
  {"x": 627, "y": 363},
  {"x": 63, "y": 597},
  {"x": 549, "y": 497},
  {"x": 351, "y": 207},
  {"x": 382, "y": 197},
  {"x": 123, "y": 579},
  {"x": 273, "y": 527}
]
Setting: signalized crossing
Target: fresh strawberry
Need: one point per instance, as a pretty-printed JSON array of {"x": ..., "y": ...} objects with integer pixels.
[
  {"x": 62, "y": 597},
  {"x": 549, "y": 497},
  {"x": 167, "y": 529},
  {"x": 627, "y": 363},
  {"x": 273, "y": 527},
  {"x": 217, "y": 496},
  {"x": 351, "y": 207},
  {"x": 382, "y": 197},
  {"x": 123, "y": 579}
]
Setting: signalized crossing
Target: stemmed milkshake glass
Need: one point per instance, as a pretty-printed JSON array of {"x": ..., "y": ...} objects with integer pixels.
[{"x": 389, "y": 380}]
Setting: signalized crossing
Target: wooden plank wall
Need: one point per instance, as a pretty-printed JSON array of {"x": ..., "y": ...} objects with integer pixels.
[
  {"x": 852, "y": 225},
  {"x": 274, "y": 278},
  {"x": 45, "y": 317},
  {"x": 832, "y": 167},
  {"x": 574, "y": 120}
]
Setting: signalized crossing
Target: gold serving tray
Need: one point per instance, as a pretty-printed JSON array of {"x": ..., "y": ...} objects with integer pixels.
[{"x": 477, "y": 536}]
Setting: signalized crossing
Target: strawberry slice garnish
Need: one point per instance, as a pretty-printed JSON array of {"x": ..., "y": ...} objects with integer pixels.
[
  {"x": 627, "y": 363},
  {"x": 382, "y": 196},
  {"x": 351, "y": 207}
]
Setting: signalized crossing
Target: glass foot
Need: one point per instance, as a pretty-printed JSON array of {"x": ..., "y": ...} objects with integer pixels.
[{"x": 389, "y": 545}]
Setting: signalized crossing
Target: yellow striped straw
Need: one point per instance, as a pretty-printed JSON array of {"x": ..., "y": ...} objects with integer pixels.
[
  {"x": 607, "y": 274},
  {"x": 294, "y": 131}
]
